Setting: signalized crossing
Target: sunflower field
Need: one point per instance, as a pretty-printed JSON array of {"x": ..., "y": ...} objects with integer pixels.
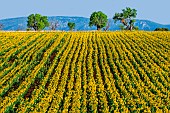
[{"x": 85, "y": 72}]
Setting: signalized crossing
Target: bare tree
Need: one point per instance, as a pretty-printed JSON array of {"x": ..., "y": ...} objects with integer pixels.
[
  {"x": 1, "y": 26},
  {"x": 20, "y": 27},
  {"x": 107, "y": 26},
  {"x": 54, "y": 25}
]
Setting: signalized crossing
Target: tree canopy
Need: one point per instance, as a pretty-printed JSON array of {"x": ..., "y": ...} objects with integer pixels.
[
  {"x": 71, "y": 25},
  {"x": 98, "y": 19},
  {"x": 37, "y": 22},
  {"x": 126, "y": 17}
]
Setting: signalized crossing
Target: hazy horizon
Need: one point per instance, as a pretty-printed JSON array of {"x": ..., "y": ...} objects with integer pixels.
[{"x": 156, "y": 11}]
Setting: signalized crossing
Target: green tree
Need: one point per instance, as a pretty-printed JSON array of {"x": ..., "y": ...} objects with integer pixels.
[
  {"x": 98, "y": 19},
  {"x": 126, "y": 17},
  {"x": 71, "y": 25},
  {"x": 161, "y": 29},
  {"x": 37, "y": 22}
]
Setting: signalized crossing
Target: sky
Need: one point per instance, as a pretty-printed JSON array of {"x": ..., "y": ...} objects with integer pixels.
[{"x": 154, "y": 10}]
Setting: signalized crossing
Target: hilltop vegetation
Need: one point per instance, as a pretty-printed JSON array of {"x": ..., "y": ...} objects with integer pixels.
[
  {"x": 82, "y": 23},
  {"x": 126, "y": 21},
  {"x": 84, "y": 72}
]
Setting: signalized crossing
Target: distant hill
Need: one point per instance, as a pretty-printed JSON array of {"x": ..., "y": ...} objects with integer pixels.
[{"x": 20, "y": 23}]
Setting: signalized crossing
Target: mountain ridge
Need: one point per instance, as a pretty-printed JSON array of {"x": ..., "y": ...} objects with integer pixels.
[{"x": 20, "y": 23}]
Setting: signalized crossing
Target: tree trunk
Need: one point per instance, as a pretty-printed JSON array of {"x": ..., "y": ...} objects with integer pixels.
[
  {"x": 131, "y": 27},
  {"x": 124, "y": 22},
  {"x": 98, "y": 28},
  {"x": 35, "y": 27},
  {"x": 127, "y": 27}
]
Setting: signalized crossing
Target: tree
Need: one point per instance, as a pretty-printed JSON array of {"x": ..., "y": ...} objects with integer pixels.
[
  {"x": 126, "y": 17},
  {"x": 161, "y": 29},
  {"x": 37, "y": 22},
  {"x": 71, "y": 25},
  {"x": 1, "y": 26},
  {"x": 98, "y": 19},
  {"x": 54, "y": 25},
  {"x": 107, "y": 26},
  {"x": 20, "y": 27}
]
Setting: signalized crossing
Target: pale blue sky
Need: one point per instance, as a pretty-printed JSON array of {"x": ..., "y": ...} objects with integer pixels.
[{"x": 154, "y": 10}]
